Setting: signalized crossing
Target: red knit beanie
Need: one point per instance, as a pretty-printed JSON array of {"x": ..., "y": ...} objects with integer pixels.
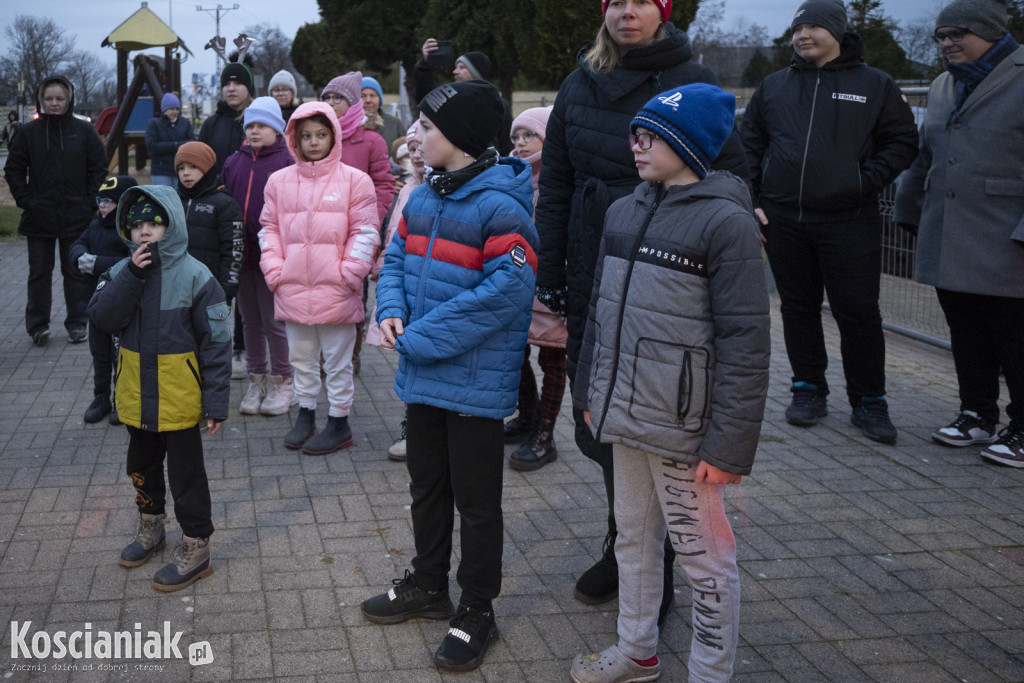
[{"x": 664, "y": 5}]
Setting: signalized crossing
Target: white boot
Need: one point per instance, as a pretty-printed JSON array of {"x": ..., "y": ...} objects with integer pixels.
[
  {"x": 254, "y": 395},
  {"x": 279, "y": 396}
]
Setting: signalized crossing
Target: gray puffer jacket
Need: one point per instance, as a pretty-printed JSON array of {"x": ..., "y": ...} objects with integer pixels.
[{"x": 675, "y": 354}]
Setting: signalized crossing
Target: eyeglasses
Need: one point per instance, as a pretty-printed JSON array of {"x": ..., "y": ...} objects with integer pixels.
[
  {"x": 332, "y": 97},
  {"x": 643, "y": 140},
  {"x": 100, "y": 201},
  {"x": 524, "y": 136},
  {"x": 954, "y": 36},
  {"x": 281, "y": 90}
]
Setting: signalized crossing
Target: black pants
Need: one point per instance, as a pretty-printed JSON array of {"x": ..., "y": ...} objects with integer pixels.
[
  {"x": 456, "y": 462},
  {"x": 844, "y": 259},
  {"x": 104, "y": 351},
  {"x": 987, "y": 336},
  {"x": 40, "y": 284},
  {"x": 185, "y": 470}
]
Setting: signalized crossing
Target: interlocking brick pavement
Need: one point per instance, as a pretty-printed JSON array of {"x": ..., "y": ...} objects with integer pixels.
[{"x": 859, "y": 562}]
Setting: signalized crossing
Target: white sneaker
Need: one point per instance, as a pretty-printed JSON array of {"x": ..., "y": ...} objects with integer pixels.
[
  {"x": 238, "y": 369},
  {"x": 278, "y": 397},
  {"x": 254, "y": 395}
]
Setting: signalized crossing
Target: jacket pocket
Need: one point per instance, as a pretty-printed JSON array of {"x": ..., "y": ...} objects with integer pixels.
[
  {"x": 217, "y": 314},
  {"x": 670, "y": 384}
]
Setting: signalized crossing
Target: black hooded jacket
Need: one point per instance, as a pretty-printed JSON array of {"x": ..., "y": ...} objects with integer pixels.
[
  {"x": 224, "y": 133},
  {"x": 55, "y": 167},
  {"x": 216, "y": 235},
  {"x": 821, "y": 143},
  {"x": 101, "y": 239},
  {"x": 587, "y": 162}
]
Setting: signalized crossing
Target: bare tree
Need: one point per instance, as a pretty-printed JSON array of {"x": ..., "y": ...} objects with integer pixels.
[
  {"x": 706, "y": 30},
  {"x": 272, "y": 50},
  {"x": 87, "y": 72},
  {"x": 39, "y": 48}
]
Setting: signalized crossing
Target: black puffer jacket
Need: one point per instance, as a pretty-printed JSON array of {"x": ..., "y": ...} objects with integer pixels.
[
  {"x": 216, "y": 235},
  {"x": 163, "y": 139},
  {"x": 587, "y": 163},
  {"x": 101, "y": 239},
  {"x": 821, "y": 143},
  {"x": 67, "y": 163},
  {"x": 224, "y": 133}
]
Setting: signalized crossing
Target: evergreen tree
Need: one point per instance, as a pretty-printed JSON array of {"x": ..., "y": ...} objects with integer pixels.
[
  {"x": 881, "y": 49},
  {"x": 758, "y": 67}
]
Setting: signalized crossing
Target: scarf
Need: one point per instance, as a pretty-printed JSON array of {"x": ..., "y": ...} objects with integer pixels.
[
  {"x": 444, "y": 183},
  {"x": 351, "y": 120},
  {"x": 969, "y": 74}
]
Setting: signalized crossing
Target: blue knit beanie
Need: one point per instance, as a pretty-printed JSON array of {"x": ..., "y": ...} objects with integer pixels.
[
  {"x": 170, "y": 101},
  {"x": 267, "y": 111},
  {"x": 695, "y": 120},
  {"x": 372, "y": 83}
]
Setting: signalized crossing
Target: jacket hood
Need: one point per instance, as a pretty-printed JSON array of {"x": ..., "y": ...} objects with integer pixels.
[
  {"x": 71, "y": 96},
  {"x": 851, "y": 54},
  {"x": 510, "y": 175},
  {"x": 175, "y": 242},
  {"x": 305, "y": 111},
  {"x": 717, "y": 185},
  {"x": 639, "y": 63}
]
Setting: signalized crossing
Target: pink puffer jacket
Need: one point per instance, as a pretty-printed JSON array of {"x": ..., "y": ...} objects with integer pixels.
[
  {"x": 319, "y": 235},
  {"x": 367, "y": 151}
]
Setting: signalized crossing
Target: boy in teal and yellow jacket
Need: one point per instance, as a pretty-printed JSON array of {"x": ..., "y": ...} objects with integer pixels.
[{"x": 173, "y": 370}]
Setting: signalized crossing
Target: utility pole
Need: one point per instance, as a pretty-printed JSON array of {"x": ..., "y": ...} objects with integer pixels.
[{"x": 216, "y": 13}]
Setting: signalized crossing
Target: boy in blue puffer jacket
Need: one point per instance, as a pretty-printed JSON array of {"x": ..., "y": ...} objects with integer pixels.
[{"x": 454, "y": 300}]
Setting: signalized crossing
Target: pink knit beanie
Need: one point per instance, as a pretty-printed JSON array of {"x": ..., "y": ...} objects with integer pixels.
[
  {"x": 534, "y": 120},
  {"x": 348, "y": 86}
]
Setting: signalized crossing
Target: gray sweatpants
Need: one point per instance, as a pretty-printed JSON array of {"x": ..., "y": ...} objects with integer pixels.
[{"x": 654, "y": 495}]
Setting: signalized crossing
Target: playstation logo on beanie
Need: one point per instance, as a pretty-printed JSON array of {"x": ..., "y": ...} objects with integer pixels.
[
  {"x": 828, "y": 14},
  {"x": 467, "y": 113},
  {"x": 695, "y": 120}
]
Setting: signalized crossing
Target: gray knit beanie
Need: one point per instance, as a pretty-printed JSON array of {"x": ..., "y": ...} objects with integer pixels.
[
  {"x": 828, "y": 14},
  {"x": 984, "y": 18}
]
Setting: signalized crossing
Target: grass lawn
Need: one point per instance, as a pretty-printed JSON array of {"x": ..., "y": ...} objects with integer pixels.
[{"x": 9, "y": 217}]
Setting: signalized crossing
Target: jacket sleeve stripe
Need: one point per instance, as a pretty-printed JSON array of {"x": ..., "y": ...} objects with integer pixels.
[
  {"x": 403, "y": 229},
  {"x": 446, "y": 251},
  {"x": 503, "y": 244}
]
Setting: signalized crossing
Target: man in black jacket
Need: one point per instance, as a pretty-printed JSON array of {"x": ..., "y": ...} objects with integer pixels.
[
  {"x": 823, "y": 137},
  {"x": 55, "y": 167}
]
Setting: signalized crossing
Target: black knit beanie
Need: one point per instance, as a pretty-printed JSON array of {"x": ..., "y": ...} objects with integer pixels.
[
  {"x": 478, "y": 64},
  {"x": 467, "y": 113},
  {"x": 235, "y": 71},
  {"x": 984, "y": 18},
  {"x": 114, "y": 186},
  {"x": 828, "y": 14}
]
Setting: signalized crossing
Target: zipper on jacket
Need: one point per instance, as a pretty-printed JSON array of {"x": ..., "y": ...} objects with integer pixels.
[
  {"x": 427, "y": 257},
  {"x": 807, "y": 147},
  {"x": 660, "y": 194}
]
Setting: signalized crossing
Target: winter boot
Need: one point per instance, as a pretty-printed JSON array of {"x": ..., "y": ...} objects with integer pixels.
[
  {"x": 538, "y": 449},
  {"x": 279, "y": 396},
  {"x": 397, "y": 452},
  {"x": 336, "y": 435},
  {"x": 600, "y": 583},
  {"x": 253, "y": 398},
  {"x": 149, "y": 540},
  {"x": 190, "y": 562},
  {"x": 98, "y": 409},
  {"x": 303, "y": 429}
]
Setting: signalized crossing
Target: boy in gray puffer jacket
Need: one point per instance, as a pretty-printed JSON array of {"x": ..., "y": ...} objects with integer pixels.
[{"x": 673, "y": 373}]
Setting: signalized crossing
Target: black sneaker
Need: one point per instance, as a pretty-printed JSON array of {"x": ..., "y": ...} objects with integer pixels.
[
  {"x": 808, "y": 405},
  {"x": 1009, "y": 447},
  {"x": 872, "y": 416},
  {"x": 41, "y": 336},
  {"x": 966, "y": 430},
  {"x": 600, "y": 583},
  {"x": 407, "y": 601},
  {"x": 470, "y": 632},
  {"x": 98, "y": 409},
  {"x": 77, "y": 335}
]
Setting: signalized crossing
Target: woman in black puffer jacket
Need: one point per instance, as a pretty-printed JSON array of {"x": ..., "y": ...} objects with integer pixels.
[{"x": 587, "y": 165}]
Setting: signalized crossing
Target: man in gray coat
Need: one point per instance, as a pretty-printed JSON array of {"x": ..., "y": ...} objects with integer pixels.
[{"x": 964, "y": 196}]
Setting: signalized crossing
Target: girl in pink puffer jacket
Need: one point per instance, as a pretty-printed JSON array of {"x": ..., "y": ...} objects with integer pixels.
[{"x": 318, "y": 242}]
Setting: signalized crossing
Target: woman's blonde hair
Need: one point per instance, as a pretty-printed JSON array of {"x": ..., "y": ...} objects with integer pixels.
[{"x": 606, "y": 54}]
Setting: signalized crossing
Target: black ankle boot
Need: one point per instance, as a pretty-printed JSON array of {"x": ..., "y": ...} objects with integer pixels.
[
  {"x": 336, "y": 435},
  {"x": 98, "y": 409},
  {"x": 600, "y": 583},
  {"x": 538, "y": 449},
  {"x": 303, "y": 429},
  {"x": 520, "y": 426}
]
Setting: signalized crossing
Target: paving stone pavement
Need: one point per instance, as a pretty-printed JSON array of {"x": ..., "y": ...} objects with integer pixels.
[{"x": 859, "y": 562}]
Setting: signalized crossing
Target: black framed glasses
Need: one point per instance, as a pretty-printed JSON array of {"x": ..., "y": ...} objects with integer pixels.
[
  {"x": 643, "y": 140},
  {"x": 953, "y": 36}
]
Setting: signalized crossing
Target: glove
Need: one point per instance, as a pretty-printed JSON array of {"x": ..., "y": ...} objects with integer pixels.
[{"x": 86, "y": 262}]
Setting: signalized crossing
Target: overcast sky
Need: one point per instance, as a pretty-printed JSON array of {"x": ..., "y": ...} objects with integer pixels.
[{"x": 90, "y": 21}]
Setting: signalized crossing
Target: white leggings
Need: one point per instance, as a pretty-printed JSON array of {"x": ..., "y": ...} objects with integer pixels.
[
  {"x": 305, "y": 343},
  {"x": 654, "y": 495}
]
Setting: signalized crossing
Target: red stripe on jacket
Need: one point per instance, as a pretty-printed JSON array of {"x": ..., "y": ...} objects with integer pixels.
[
  {"x": 445, "y": 250},
  {"x": 503, "y": 244}
]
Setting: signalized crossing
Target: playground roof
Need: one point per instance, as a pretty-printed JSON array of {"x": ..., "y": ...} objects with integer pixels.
[{"x": 143, "y": 30}]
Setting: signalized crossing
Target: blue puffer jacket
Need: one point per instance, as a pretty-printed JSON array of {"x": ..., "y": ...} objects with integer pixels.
[{"x": 460, "y": 274}]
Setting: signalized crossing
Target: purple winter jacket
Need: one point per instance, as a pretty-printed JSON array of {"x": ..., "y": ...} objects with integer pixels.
[{"x": 245, "y": 176}]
